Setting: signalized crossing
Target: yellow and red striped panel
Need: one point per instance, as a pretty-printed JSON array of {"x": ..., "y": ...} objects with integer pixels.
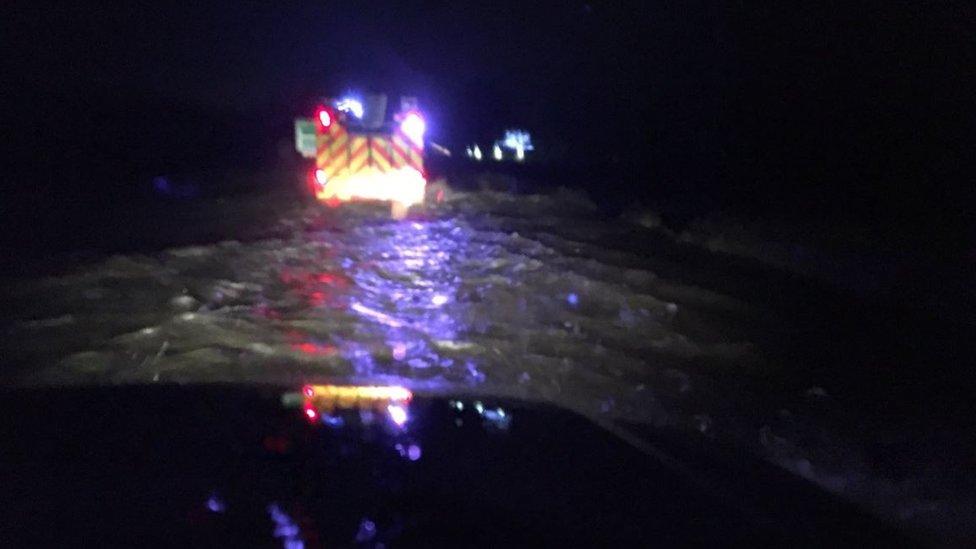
[
  {"x": 358, "y": 153},
  {"x": 407, "y": 153},
  {"x": 379, "y": 154},
  {"x": 342, "y": 153},
  {"x": 332, "y": 154}
]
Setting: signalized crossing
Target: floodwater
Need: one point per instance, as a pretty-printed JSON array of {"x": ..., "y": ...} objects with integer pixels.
[
  {"x": 485, "y": 293},
  {"x": 445, "y": 302}
]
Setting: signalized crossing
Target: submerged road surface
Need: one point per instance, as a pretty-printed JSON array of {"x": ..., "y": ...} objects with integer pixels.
[
  {"x": 455, "y": 301},
  {"x": 533, "y": 297}
]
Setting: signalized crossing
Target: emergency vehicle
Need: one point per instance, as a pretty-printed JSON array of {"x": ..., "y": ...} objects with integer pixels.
[{"x": 361, "y": 153}]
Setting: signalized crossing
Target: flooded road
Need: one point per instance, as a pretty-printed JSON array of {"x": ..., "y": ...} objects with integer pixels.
[
  {"x": 485, "y": 293},
  {"x": 448, "y": 302}
]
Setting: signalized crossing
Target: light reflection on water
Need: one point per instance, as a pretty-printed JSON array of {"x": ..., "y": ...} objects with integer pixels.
[
  {"x": 443, "y": 306},
  {"x": 400, "y": 286},
  {"x": 451, "y": 304}
]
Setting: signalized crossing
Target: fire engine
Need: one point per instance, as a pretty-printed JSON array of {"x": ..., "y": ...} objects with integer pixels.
[{"x": 362, "y": 154}]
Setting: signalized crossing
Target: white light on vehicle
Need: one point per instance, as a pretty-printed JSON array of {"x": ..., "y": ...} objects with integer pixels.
[
  {"x": 325, "y": 118},
  {"x": 496, "y": 152},
  {"x": 477, "y": 153},
  {"x": 320, "y": 177},
  {"x": 350, "y": 105},
  {"x": 413, "y": 126}
]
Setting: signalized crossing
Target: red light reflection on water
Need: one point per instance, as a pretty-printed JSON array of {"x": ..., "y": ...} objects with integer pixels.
[
  {"x": 339, "y": 281},
  {"x": 315, "y": 349},
  {"x": 319, "y": 289},
  {"x": 399, "y": 290},
  {"x": 317, "y": 299}
]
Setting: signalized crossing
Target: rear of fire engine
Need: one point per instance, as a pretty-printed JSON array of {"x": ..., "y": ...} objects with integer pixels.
[{"x": 362, "y": 154}]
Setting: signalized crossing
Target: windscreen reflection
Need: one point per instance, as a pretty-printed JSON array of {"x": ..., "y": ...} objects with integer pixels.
[{"x": 329, "y": 404}]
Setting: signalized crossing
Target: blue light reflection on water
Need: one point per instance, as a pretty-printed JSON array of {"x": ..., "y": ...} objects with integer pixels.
[
  {"x": 408, "y": 285},
  {"x": 387, "y": 297}
]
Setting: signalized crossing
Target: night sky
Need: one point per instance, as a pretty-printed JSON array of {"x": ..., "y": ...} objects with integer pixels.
[{"x": 851, "y": 111}]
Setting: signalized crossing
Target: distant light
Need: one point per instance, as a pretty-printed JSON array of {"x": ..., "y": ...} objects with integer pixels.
[
  {"x": 573, "y": 299},
  {"x": 496, "y": 152},
  {"x": 350, "y": 105},
  {"x": 215, "y": 504},
  {"x": 320, "y": 177},
  {"x": 477, "y": 153},
  {"x": 413, "y": 452},
  {"x": 517, "y": 139},
  {"x": 414, "y": 127},
  {"x": 397, "y": 413},
  {"x": 310, "y": 413},
  {"x": 367, "y": 531},
  {"x": 309, "y": 391},
  {"x": 439, "y": 299}
]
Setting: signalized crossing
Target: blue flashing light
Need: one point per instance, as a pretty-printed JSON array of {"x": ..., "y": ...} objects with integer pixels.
[{"x": 350, "y": 105}]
